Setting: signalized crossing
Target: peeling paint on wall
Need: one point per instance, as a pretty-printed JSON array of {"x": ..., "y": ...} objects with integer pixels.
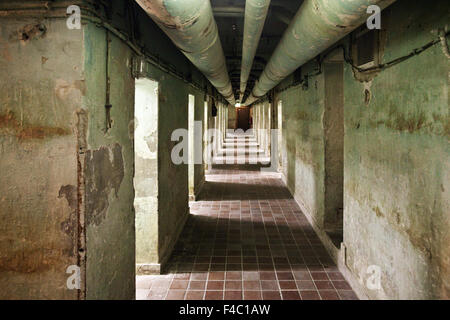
[{"x": 104, "y": 173}]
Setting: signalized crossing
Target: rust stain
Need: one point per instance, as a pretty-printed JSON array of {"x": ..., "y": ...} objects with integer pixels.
[
  {"x": 5, "y": 53},
  {"x": 408, "y": 123},
  {"x": 31, "y": 259},
  {"x": 10, "y": 126}
]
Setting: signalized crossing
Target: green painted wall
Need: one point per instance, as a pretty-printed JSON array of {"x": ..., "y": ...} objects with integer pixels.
[
  {"x": 110, "y": 236},
  {"x": 397, "y": 162},
  {"x": 303, "y": 146},
  {"x": 396, "y": 159}
]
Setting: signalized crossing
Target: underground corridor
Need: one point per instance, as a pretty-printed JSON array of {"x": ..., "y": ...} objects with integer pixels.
[
  {"x": 246, "y": 239},
  {"x": 224, "y": 150}
]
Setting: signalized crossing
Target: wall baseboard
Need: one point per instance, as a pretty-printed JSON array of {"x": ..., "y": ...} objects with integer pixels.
[
  {"x": 168, "y": 252},
  {"x": 148, "y": 269},
  {"x": 158, "y": 268},
  {"x": 197, "y": 189}
]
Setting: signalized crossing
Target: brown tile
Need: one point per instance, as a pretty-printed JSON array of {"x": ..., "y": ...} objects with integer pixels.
[
  {"x": 309, "y": 295},
  {"x": 285, "y": 276},
  {"x": 157, "y": 294},
  {"x": 252, "y": 295},
  {"x": 234, "y": 275},
  {"x": 142, "y": 294},
  {"x": 214, "y": 295},
  {"x": 182, "y": 276},
  {"x": 305, "y": 285},
  {"x": 335, "y": 276},
  {"x": 217, "y": 275},
  {"x": 290, "y": 295},
  {"x": 341, "y": 285},
  {"x": 233, "y": 285},
  {"x": 161, "y": 283},
  {"x": 347, "y": 295},
  {"x": 302, "y": 275},
  {"x": 175, "y": 295},
  {"x": 269, "y": 285},
  {"x": 199, "y": 276},
  {"x": 234, "y": 260},
  {"x": 267, "y": 275},
  {"x": 271, "y": 295},
  {"x": 287, "y": 285},
  {"x": 250, "y": 275},
  {"x": 324, "y": 285},
  {"x": 197, "y": 285},
  {"x": 319, "y": 276},
  {"x": 215, "y": 285},
  {"x": 179, "y": 284},
  {"x": 252, "y": 285},
  {"x": 329, "y": 295},
  {"x": 144, "y": 282},
  {"x": 233, "y": 295},
  {"x": 194, "y": 295}
]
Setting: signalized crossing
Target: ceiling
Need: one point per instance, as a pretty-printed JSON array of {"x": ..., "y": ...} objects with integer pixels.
[{"x": 229, "y": 15}]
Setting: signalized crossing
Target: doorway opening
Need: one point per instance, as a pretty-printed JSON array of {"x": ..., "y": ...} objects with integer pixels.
[
  {"x": 334, "y": 151},
  {"x": 191, "y": 153},
  {"x": 205, "y": 132},
  {"x": 146, "y": 176},
  {"x": 280, "y": 135},
  {"x": 243, "y": 118}
]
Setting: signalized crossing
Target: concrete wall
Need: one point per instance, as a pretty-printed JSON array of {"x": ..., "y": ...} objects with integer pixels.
[
  {"x": 397, "y": 162},
  {"x": 232, "y": 115},
  {"x": 67, "y": 176},
  {"x": 199, "y": 169},
  {"x": 146, "y": 173},
  {"x": 41, "y": 89},
  {"x": 262, "y": 124},
  {"x": 396, "y": 159},
  {"x": 303, "y": 150}
]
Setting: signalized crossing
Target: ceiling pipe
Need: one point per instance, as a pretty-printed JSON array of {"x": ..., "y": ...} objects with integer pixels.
[
  {"x": 192, "y": 28},
  {"x": 255, "y": 17},
  {"x": 317, "y": 25},
  {"x": 276, "y": 11}
]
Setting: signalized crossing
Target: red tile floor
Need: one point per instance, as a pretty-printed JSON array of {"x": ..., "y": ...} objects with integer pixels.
[{"x": 246, "y": 239}]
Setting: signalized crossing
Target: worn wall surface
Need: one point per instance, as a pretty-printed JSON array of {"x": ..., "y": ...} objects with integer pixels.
[
  {"x": 110, "y": 236},
  {"x": 173, "y": 182},
  {"x": 333, "y": 123},
  {"x": 146, "y": 173},
  {"x": 303, "y": 145},
  {"x": 397, "y": 162},
  {"x": 396, "y": 158},
  {"x": 199, "y": 116},
  {"x": 262, "y": 127},
  {"x": 41, "y": 90},
  {"x": 232, "y": 115}
]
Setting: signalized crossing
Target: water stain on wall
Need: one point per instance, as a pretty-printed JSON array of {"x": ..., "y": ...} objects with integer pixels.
[
  {"x": 104, "y": 172},
  {"x": 9, "y": 125}
]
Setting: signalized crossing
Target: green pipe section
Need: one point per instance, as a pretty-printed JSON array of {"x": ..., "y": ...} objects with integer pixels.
[
  {"x": 191, "y": 26},
  {"x": 317, "y": 25},
  {"x": 255, "y": 17}
]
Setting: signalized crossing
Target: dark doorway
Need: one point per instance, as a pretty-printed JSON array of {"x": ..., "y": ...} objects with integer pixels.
[{"x": 243, "y": 118}]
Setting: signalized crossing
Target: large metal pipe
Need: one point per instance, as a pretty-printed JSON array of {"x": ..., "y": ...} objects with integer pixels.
[
  {"x": 191, "y": 26},
  {"x": 255, "y": 17},
  {"x": 317, "y": 25}
]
